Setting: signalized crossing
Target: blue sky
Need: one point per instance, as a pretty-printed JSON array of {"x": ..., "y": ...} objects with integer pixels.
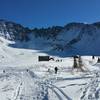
[{"x": 44, "y": 13}]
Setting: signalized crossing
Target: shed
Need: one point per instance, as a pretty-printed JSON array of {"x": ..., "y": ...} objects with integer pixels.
[{"x": 43, "y": 58}]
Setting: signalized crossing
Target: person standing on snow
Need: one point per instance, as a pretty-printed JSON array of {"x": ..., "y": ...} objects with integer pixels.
[
  {"x": 3, "y": 71},
  {"x": 56, "y": 69}
]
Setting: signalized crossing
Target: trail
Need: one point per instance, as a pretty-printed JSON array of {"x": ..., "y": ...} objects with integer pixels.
[
  {"x": 48, "y": 83},
  {"x": 62, "y": 92},
  {"x": 34, "y": 87},
  {"x": 28, "y": 87},
  {"x": 57, "y": 94},
  {"x": 91, "y": 90},
  {"x": 16, "y": 95}
]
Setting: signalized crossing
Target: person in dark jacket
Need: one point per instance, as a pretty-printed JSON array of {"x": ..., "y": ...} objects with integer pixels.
[
  {"x": 3, "y": 71},
  {"x": 56, "y": 69}
]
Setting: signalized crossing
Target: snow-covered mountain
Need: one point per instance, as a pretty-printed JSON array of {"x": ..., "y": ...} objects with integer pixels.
[
  {"x": 23, "y": 77},
  {"x": 76, "y": 38},
  {"x": 71, "y": 39},
  {"x": 13, "y": 31},
  {"x": 81, "y": 38}
]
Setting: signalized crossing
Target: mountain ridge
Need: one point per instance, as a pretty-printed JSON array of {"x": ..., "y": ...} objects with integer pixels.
[{"x": 73, "y": 38}]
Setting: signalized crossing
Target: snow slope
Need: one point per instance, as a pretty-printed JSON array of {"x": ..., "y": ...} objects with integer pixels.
[
  {"x": 36, "y": 83},
  {"x": 22, "y": 77},
  {"x": 71, "y": 39}
]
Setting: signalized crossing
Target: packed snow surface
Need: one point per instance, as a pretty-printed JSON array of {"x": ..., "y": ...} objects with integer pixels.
[{"x": 23, "y": 77}]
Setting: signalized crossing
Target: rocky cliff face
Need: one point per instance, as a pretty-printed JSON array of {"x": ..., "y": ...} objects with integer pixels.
[{"x": 13, "y": 31}]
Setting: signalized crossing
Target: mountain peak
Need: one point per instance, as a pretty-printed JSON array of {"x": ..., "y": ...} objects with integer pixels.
[{"x": 11, "y": 30}]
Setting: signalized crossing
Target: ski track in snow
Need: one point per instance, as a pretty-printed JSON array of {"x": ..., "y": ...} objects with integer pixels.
[
  {"x": 28, "y": 79},
  {"x": 18, "y": 83},
  {"x": 68, "y": 98},
  {"x": 92, "y": 89},
  {"x": 43, "y": 85},
  {"x": 17, "y": 92}
]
